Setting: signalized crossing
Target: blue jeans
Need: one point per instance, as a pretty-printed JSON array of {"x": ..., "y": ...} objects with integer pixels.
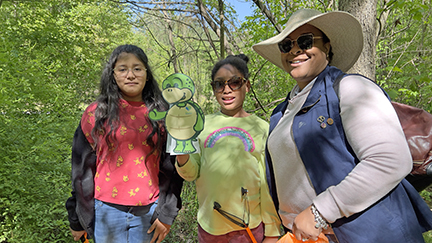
[{"x": 117, "y": 223}]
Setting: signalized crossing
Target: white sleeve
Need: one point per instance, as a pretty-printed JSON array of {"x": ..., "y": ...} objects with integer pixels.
[{"x": 376, "y": 137}]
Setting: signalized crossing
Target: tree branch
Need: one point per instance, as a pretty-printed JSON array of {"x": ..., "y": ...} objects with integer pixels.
[
  {"x": 173, "y": 54},
  {"x": 253, "y": 79},
  {"x": 400, "y": 56},
  {"x": 154, "y": 3},
  {"x": 268, "y": 105},
  {"x": 205, "y": 14},
  {"x": 269, "y": 15},
  {"x": 207, "y": 32}
]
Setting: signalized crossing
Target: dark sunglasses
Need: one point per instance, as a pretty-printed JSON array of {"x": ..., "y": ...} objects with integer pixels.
[
  {"x": 304, "y": 42},
  {"x": 234, "y": 83}
]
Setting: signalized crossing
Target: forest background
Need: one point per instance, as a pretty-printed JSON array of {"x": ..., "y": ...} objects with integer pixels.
[{"x": 52, "y": 53}]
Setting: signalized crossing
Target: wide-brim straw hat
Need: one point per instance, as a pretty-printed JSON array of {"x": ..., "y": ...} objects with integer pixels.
[{"x": 343, "y": 30}]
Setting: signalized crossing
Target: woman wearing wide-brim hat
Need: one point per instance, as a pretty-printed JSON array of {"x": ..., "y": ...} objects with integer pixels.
[{"x": 337, "y": 155}]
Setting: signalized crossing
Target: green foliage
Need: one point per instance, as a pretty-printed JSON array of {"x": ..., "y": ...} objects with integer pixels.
[
  {"x": 428, "y": 237},
  {"x": 404, "y": 54},
  {"x": 34, "y": 176},
  {"x": 185, "y": 227},
  {"x": 50, "y": 60},
  {"x": 427, "y": 196},
  {"x": 51, "y": 56}
]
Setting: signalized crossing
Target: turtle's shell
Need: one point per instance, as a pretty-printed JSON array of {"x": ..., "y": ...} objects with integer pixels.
[{"x": 180, "y": 122}]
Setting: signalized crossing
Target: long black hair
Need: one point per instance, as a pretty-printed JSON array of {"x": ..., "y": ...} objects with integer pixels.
[{"x": 107, "y": 113}]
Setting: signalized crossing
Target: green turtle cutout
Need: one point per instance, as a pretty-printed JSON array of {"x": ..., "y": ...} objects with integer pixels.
[{"x": 184, "y": 120}]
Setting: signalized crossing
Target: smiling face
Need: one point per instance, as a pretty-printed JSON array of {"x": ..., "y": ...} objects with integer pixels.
[
  {"x": 131, "y": 86},
  {"x": 305, "y": 65},
  {"x": 231, "y": 102}
]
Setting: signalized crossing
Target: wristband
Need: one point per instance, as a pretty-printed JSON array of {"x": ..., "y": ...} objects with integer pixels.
[{"x": 319, "y": 220}]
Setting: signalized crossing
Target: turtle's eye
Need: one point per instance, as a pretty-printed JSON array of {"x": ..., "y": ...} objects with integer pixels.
[
  {"x": 168, "y": 86},
  {"x": 176, "y": 85}
]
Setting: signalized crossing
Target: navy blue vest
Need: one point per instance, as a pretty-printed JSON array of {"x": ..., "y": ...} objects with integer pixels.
[{"x": 400, "y": 216}]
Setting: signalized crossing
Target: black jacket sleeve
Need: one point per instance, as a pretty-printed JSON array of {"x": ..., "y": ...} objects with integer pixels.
[
  {"x": 80, "y": 205},
  {"x": 170, "y": 186}
]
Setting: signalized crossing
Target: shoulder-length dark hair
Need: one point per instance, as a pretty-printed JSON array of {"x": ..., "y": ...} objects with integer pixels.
[{"x": 108, "y": 110}]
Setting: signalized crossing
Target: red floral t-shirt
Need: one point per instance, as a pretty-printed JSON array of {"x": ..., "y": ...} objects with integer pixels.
[{"x": 123, "y": 175}]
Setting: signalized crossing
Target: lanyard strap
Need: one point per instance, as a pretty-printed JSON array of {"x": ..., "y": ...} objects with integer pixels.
[{"x": 237, "y": 220}]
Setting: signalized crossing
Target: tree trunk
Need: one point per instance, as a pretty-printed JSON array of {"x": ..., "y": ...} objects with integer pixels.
[
  {"x": 222, "y": 29},
  {"x": 365, "y": 11},
  {"x": 213, "y": 21}
]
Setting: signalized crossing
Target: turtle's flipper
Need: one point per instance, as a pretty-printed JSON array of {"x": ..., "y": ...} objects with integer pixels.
[
  {"x": 189, "y": 148},
  {"x": 185, "y": 147},
  {"x": 179, "y": 147},
  {"x": 157, "y": 115}
]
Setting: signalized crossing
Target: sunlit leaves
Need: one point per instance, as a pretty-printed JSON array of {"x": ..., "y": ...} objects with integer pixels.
[
  {"x": 51, "y": 56},
  {"x": 404, "y": 52}
]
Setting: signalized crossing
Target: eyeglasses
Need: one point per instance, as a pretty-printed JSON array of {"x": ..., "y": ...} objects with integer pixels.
[
  {"x": 242, "y": 222},
  {"x": 122, "y": 71},
  {"x": 234, "y": 83},
  {"x": 304, "y": 42}
]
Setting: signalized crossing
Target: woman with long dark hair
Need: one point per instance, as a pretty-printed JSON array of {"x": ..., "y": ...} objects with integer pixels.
[{"x": 125, "y": 188}]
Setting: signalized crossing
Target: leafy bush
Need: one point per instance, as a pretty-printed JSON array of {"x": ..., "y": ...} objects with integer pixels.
[
  {"x": 34, "y": 181},
  {"x": 50, "y": 60},
  {"x": 185, "y": 227}
]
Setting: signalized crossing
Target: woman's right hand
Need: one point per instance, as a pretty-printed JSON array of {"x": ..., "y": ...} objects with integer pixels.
[
  {"x": 304, "y": 226},
  {"x": 77, "y": 234},
  {"x": 182, "y": 159}
]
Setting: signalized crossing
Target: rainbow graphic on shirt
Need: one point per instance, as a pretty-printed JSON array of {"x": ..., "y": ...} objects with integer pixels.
[{"x": 242, "y": 134}]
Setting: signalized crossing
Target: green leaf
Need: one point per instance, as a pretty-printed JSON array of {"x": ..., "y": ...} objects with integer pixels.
[{"x": 393, "y": 93}]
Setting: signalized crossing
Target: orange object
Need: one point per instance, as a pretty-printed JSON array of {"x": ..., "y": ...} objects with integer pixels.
[
  {"x": 84, "y": 238},
  {"x": 250, "y": 235},
  {"x": 290, "y": 238}
]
